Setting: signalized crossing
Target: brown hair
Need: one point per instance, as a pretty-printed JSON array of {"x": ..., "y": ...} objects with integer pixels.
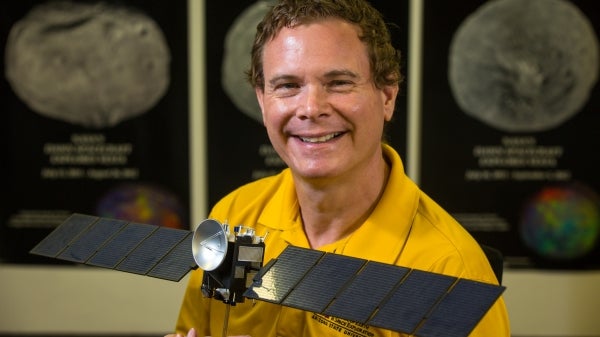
[{"x": 383, "y": 57}]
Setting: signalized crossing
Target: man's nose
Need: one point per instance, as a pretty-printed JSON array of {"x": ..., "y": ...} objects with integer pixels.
[{"x": 314, "y": 102}]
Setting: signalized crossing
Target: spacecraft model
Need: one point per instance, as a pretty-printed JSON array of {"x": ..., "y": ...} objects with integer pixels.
[{"x": 392, "y": 297}]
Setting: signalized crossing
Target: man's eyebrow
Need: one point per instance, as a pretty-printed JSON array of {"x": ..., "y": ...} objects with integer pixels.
[
  {"x": 279, "y": 78},
  {"x": 341, "y": 72},
  {"x": 328, "y": 75}
]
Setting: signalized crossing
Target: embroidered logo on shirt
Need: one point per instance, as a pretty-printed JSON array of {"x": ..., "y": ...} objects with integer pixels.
[{"x": 342, "y": 326}]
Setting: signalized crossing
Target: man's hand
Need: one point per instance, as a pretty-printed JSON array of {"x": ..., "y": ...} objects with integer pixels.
[{"x": 192, "y": 333}]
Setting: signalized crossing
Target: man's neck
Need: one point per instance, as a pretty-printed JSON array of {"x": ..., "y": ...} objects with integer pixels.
[{"x": 333, "y": 211}]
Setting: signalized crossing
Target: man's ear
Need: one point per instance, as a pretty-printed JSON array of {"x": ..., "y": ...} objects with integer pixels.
[{"x": 389, "y": 92}]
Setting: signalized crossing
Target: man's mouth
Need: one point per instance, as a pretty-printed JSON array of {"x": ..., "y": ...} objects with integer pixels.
[{"x": 321, "y": 139}]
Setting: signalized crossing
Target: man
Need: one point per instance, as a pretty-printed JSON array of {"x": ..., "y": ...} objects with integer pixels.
[{"x": 326, "y": 78}]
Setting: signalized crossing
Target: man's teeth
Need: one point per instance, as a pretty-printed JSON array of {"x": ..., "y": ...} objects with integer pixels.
[{"x": 319, "y": 139}]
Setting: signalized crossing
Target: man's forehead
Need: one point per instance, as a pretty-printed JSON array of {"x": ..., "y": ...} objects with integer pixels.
[{"x": 331, "y": 21}]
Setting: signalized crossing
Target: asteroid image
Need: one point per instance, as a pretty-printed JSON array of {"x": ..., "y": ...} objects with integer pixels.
[
  {"x": 523, "y": 66},
  {"x": 236, "y": 59},
  {"x": 88, "y": 64}
]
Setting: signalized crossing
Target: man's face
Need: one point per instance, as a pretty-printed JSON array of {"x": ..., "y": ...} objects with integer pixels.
[{"x": 323, "y": 113}]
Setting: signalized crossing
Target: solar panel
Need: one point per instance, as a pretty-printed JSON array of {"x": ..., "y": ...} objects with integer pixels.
[
  {"x": 150, "y": 250},
  {"x": 394, "y": 298},
  {"x": 391, "y": 297}
]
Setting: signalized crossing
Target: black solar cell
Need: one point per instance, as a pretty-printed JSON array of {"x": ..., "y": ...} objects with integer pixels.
[
  {"x": 321, "y": 284},
  {"x": 121, "y": 245},
  {"x": 372, "y": 285},
  {"x": 176, "y": 263},
  {"x": 410, "y": 303},
  {"x": 60, "y": 238},
  {"x": 91, "y": 240},
  {"x": 282, "y": 275},
  {"x": 152, "y": 250},
  {"x": 461, "y": 309}
]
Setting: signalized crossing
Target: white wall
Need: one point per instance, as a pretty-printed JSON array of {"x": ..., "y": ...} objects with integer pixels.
[
  {"x": 565, "y": 304},
  {"x": 84, "y": 300}
]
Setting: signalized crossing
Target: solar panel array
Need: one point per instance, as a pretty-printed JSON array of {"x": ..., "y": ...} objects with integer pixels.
[
  {"x": 150, "y": 250},
  {"x": 395, "y": 298}
]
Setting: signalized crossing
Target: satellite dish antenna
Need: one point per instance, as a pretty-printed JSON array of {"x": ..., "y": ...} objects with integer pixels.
[{"x": 209, "y": 244}]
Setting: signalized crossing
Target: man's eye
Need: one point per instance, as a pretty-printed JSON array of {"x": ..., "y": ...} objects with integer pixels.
[
  {"x": 286, "y": 86},
  {"x": 290, "y": 85},
  {"x": 340, "y": 82},
  {"x": 286, "y": 89},
  {"x": 340, "y": 85}
]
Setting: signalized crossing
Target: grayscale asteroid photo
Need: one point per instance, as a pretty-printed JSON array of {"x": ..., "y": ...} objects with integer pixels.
[
  {"x": 88, "y": 64},
  {"x": 523, "y": 66},
  {"x": 236, "y": 59}
]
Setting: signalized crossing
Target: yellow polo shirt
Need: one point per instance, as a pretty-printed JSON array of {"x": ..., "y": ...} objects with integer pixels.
[{"x": 407, "y": 228}]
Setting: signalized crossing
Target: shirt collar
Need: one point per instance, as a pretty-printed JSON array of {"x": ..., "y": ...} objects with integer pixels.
[{"x": 388, "y": 226}]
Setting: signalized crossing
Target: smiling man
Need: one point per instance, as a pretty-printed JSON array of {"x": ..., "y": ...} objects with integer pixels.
[
  {"x": 326, "y": 78},
  {"x": 325, "y": 115}
]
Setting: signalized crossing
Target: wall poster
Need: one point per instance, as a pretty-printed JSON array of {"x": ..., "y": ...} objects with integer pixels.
[
  {"x": 239, "y": 150},
  {"x": 511, "y": 108},
  {"x": 94, "y": 99}
]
